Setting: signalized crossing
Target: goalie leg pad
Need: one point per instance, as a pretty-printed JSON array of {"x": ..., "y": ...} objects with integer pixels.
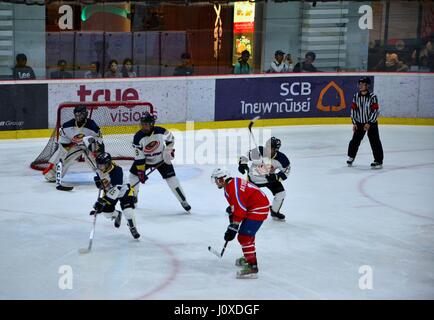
[{"x": 72, "y": 155}]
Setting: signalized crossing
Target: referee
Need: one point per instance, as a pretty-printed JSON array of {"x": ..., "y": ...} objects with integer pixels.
[{"x": 364, "y": 114}]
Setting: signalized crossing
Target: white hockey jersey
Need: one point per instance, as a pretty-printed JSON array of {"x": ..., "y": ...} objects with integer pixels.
[
  {"x": 70, "y": 133},
  {"x": 259, "y": 169},
  {"x": 149, "y": 148}
]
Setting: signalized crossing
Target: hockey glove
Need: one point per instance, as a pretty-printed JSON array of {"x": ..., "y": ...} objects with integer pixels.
[
  {"x": 243, "y": 168},
  {"x": 98, "y": 182},
  {"x": 272, "y": 177},
  {"x": 281, "y": 176},
  {"x": 231, "y": 232},
  {"x": 142, "y": 176},
  {"x": 99, "y": 205}
]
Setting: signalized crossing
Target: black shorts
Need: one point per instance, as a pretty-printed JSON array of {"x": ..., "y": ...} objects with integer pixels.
[
  {"x": 165, "y": 170},
  {"x": 274, "y": 187}
]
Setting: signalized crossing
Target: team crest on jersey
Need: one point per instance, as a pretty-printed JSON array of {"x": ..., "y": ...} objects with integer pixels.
[
  {"x": 151, "y": 146},
  {"x": 265, "y": 169},
  {"x": 78, "y": 138}
]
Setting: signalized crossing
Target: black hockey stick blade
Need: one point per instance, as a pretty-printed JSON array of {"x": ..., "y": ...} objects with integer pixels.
[
  {"x": 64, "y": 188},
  {"x": 252, "y": 122}
]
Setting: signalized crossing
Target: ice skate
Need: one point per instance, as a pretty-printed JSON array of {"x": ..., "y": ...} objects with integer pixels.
[
  {"x": 350, "y": 161},
  {"x": 376, "y": 165},
  {"x": 241, "y": 262},
  {"x": 133, "y": 230},
  {"x": 277, "y": 215},
  {"x": 118, "y": 219},
  {"x": 248, "y": 272}
]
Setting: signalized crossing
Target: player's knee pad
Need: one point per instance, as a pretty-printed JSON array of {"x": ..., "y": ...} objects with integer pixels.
[{"x": 245, "y": 240}]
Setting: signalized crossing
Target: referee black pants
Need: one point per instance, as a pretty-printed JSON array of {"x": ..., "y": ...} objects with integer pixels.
[{"x": 374, "y": 140}]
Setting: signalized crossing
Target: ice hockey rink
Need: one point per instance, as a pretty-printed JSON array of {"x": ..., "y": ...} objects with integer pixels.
[{"x": 343, "y": 225}]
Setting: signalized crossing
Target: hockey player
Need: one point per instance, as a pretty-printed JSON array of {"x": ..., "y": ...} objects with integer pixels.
[
  {"x": 77, "y": 136},
  {"x": 249, "y": 208},
  {"x": 154, "y": 148},
  {"x": 269, "y": 167},
  {"x": 109, "y": 177}
]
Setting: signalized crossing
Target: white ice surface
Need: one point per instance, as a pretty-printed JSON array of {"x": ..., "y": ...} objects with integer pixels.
[{"x": 338, "y": 219}]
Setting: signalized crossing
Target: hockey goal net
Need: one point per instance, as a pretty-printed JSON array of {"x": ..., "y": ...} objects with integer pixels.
[{"x": 118, "y": 120}]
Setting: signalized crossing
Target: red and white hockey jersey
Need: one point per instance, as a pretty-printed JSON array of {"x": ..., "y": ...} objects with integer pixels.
[{"x": 246, "y": 201}]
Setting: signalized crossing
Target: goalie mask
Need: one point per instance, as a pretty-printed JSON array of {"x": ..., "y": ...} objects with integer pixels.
[
  {"x": 80, "y": 114},
  {"x": 104, "y": 161}
]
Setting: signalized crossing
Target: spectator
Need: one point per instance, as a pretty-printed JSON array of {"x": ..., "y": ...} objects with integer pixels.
[
  {"x": 424, "y": 64},
  {"x": 281, "y": 63},
  {"x": 127, "y": 69},
  {"x": 93, "y": 73},
  {"x": 22, "y": 71},
  {"x": 186, "y": 68},
  {"x": 61, "y": 73},
  {"x": 402, "y": 66},
  {"x": 307, "y": 64},
  {"x": 242, "y": 66},
  {"x": 391, "y": 64},
  {"x": 388, "y": 64},
  {"x": 113, "y": 71}
]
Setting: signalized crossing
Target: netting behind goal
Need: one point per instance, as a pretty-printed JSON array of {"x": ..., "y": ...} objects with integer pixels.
[{"x": 118, "y": 121}]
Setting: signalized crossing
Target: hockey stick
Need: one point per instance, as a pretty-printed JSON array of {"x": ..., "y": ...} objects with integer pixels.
[
  {"x": 215, "y": 252},
  {"x": 149, "y": 172},
  {"x": 253, "y": 137},
  {"x": 92, "y": 232}
]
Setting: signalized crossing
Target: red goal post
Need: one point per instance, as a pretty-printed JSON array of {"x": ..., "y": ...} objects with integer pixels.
[{"x": 118, "y": 121}]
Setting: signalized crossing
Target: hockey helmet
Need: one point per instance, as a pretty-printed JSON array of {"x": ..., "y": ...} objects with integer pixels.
[
  {"x": 274, "y": 143},
  {"x": 365, "y": 80},
  {"x": 80, "y": 113},
  {"x": 147, "y": 117},
  {"x": 103, "y": 161},
  {"x": 218, "y": 174}
]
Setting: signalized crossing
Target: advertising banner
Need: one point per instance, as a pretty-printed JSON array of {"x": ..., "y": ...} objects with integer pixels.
[
  {"x": 175, "y": 100},
  {"x": 285, "y": 97},
  {"x": 23, "y": 106}
]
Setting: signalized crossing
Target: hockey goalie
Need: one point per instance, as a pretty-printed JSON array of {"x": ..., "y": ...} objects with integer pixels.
[{"x": 80, "y": 136}]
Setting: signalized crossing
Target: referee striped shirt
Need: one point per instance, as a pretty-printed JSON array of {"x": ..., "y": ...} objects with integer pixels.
[{"x": 364, "y": 108}]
